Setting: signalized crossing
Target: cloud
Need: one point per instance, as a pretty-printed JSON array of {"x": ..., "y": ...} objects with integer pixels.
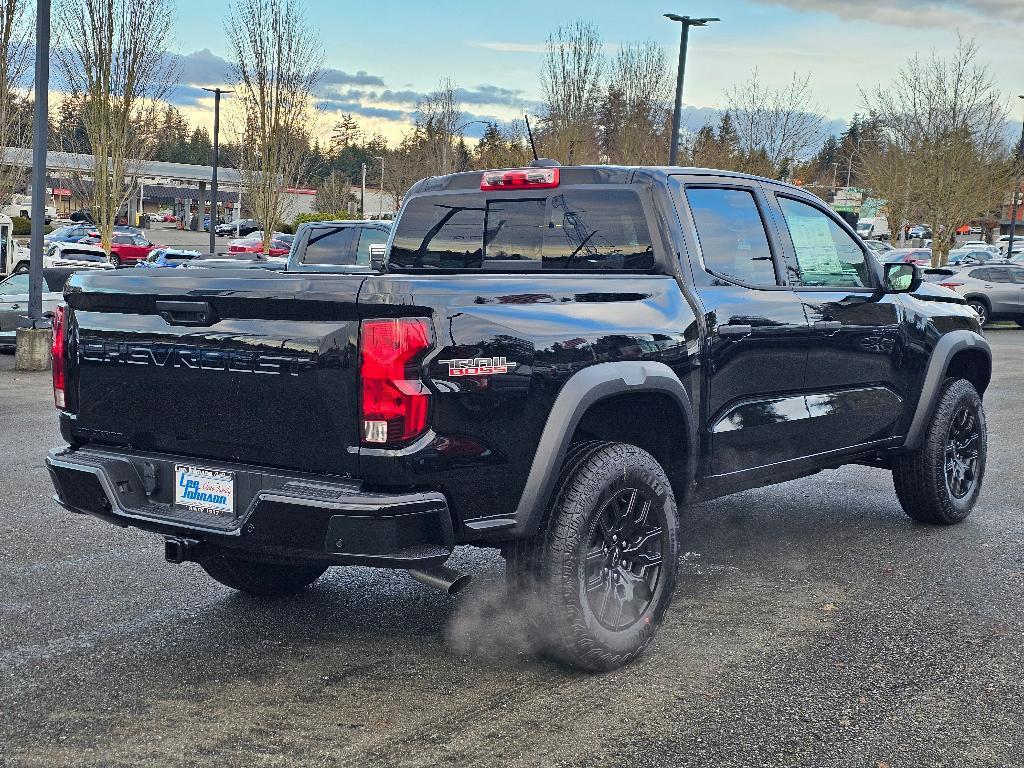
[
  {"x": 941, "y": 14},
  {"x": 188, "y": 95},
  {"x": 509, "y": 47},
  {"x": 339, "y": 77},
  {"x": 362, "y": 109},
  {"x": 200, "y": 67}
]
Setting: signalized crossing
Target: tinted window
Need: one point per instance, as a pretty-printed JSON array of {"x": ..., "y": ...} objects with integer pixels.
[
  {"x": 1000, "y": 274},
  {"x": 826, "y": 254},
  {"x": 329, "y": 245},
  {"x": 570, "y": 229},
  {"x": 978, "y": 274},
  {"x": 1018, "y": 275},
  {"x": 15, "y": 284},
  {"x": 369, "y": 236},
  {"x": 731, "y": 233},
  {"x": 121, "y": 239},
  {"x": 140, "y": 241}
]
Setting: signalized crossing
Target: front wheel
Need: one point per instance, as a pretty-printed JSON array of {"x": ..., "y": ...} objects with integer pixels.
[
  {"x": 115, "y": 260},
  {"x": 256, "y": 578},
  {"x": 980, "y": 308},
  {"x": 939, "y": 482},
  {"x": 598, "y": 578}
]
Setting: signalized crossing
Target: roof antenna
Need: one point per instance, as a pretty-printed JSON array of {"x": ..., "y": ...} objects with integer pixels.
[{"x": 530, "y": 134}]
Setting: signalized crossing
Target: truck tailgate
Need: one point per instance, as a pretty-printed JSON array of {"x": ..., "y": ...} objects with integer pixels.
[{"x": 245, "y": 365}]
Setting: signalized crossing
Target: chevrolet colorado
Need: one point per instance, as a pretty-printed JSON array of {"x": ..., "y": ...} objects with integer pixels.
[{"x": 552, "y": 361}]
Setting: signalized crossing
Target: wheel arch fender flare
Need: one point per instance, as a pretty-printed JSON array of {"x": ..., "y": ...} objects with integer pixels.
[
  {"x": 580, "y": 392},
  {"x": 948, "y": 346}
]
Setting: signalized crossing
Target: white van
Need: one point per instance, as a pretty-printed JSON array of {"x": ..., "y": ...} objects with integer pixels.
[
  {"x": 21, "y": 205},
  {"x": 876, "y": 228}
]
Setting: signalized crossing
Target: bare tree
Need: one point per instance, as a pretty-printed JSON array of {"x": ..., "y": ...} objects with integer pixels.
[
  {"x": 636, "y": 111},
  {"x": 276, "y": 65},
  {"x": 334, "y": 194},
  {"x": 112, "y": 53},
  {"x": 571, "y": 85},
  {"x": 943, "y": 118},
  {"x": 438, "y": 118},
  {"x": 15, "y": 122},
  {"x": 774, "y": 126}
]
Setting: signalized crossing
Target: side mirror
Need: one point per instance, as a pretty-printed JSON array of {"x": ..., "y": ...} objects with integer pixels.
[
  {"x": 377, "y": 253},
  {"x": 901, "y": 277}
]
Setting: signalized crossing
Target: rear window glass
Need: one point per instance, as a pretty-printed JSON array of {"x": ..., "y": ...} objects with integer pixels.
[
  {"x": 330, "y": 245},
  {"x": 572, "y": 229}
]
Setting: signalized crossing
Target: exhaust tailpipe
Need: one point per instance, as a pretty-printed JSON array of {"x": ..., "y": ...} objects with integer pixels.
[
  {"x": 179, "y": 550},
  {"x": 441, "y": 578}
]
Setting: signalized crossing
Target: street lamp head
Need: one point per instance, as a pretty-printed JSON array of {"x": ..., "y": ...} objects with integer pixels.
[{"x": 689, "y": 21}]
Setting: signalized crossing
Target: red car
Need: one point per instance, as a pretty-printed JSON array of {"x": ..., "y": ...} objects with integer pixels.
[
  {"x": 251, "y": 245},
  {"x": 920, "y": 256},
  {"x": 125, "y": 249}
]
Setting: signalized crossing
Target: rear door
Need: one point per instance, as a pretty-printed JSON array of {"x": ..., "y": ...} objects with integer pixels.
[
  {"x": 13, "y": 301},
  {"x": 1003, "y": 293},
  {"x": 855, "y": 380},
  {"x": 757, "y": 331}
]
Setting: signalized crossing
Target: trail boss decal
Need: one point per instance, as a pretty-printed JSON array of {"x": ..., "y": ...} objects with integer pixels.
[{"x": 478, "y": 366}]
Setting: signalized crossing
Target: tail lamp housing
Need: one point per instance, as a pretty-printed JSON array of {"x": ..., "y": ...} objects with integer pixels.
[
  {"x": 58, "y": 355},
  {"x": 394, "y": 401},
  {"x": 519, "y": 178}
]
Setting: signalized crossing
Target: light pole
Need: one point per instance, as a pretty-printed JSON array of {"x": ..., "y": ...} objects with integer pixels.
[
  {"x": 41, "y": 130},
  {"x": 1016, "y": 191},
  {"x": 362, "y": 195},
  {"x": 216, "y": 152},
  {"x": 677, "y": 115},
  {"x": 380, "y": 199}
]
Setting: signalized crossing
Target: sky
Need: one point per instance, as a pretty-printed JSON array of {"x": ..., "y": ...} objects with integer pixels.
[{"x": 379, "y": 57}]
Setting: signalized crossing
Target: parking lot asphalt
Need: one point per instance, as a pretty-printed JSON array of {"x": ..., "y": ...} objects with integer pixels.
[{"x": 813, "y": 625}]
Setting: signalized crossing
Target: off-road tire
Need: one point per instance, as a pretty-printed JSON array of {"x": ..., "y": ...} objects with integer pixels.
[
  {"x": 920, "y": 477},
  {"x": 263, "y": 579},
  {"x": 546, "y": 574}
]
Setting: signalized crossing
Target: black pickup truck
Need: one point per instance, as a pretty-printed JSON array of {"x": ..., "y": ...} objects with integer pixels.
[{"x": 552, "y": 361}]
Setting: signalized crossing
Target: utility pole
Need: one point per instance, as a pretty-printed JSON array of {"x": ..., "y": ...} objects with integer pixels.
[
  {"x": 677, "y": 114},
  {"x": 380, "y": 209},
  {"x": 1013, "y": 209},
  {"x": 362, "y": 195},
  {"x": 216, "y": 152}
]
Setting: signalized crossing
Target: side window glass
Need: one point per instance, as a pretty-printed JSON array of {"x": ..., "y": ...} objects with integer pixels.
[
  {"x": 331, "y": 245},
  {"x": 14, "y": 284},
  {"x": 999, "y": 275},
  {"x": 732, "y": 237},
  {"x": 369, "y": 236},
  {"x": 1018, "y": 275},
  {"x": 979, "y": 274},
  {"x": 825, "y": 254}
]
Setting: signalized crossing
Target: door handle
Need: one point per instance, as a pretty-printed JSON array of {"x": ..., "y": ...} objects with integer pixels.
[
  {"x": 15, "y": 306},
  {"x": 186, "y": 312},
  {"x": 734, "y": 331},
  {"x": 827, "y": 325}
]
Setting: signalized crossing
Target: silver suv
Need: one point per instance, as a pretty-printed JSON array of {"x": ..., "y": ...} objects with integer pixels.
[{"x": 995, "y": 293}]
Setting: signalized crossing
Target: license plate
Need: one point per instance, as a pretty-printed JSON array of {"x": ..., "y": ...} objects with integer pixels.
[{"x": 205, "y": 490}]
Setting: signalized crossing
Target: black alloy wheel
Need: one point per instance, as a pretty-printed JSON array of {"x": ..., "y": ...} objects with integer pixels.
[
  {"x": 624, "y": 558},
  {"x": 961, "y": 464}
]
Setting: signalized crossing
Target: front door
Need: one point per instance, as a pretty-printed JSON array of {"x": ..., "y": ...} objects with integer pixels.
[
  {"x": 855, "y": 378},
  {"x": 757, "y": 332}
]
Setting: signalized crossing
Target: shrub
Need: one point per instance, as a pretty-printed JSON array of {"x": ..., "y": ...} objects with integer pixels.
[
  {"x": 20, "y": 226},
  {"x": 303, "y": 218}
]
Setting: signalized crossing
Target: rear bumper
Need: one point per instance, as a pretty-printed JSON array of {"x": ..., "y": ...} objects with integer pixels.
[{"x": 280, "y": 516}]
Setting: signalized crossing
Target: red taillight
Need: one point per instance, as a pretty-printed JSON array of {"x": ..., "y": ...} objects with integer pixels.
[
  {"x": 950, "y": 285},
  {"x": 394, "y": 400},
  {"x": 519, "y": 178},
  {"x": 57, "y": 350}
]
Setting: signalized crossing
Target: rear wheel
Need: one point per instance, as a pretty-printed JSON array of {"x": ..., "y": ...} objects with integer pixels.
[
  {"x": 939, "y": 482},
  {"x": 596, "y": 581},
  {"x": 980, "y": 307},
  {"x": 255, "y": 578}
]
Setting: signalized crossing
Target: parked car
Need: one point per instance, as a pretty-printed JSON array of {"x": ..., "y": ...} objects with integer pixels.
[
  {"x": 60, "y": 254},
  {"x": 337, "y": 243},
  {"x": 126, "y": 249},
  {"x": 876, "y": 228},
  {"x": 920, "y": 232},
  {"x": 961, "y": 257},
  {"x": 553, "y": 362},
  {"x": 880, "y": 247},
  {"x": 980, "y": 244},
  {"x": 995, "y": 293},
  {"x": 206, "y": 222},
  {"x": 278, "y": 247},
  {"x": 162, "y": 258},
  {"x": 14, "y": 299},
  {"x": 242, "y": 227},
  {"x": 69, "y": 234},
  {"x": 976, "y": 230},
  {"x": 1004, "y": 240},
  {"x": 920, "y": 256}
]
